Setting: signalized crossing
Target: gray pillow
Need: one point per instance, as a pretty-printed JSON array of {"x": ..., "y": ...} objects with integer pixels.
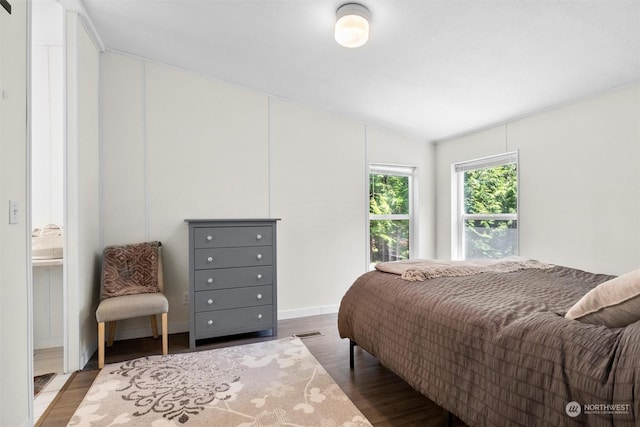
[{"x": 615, "y": 303}]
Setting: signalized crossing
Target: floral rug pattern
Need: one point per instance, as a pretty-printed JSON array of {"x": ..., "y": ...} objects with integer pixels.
[{"x": 273, "y": 383}]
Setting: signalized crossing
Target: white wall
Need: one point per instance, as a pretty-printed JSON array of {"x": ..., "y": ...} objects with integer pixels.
[
  {"x": 385, "y": 147},
  {"x": 47, "y": 117},
  {"x": 82, "y": 192},
  {"x": 47, "y": 136},
  {"x": 579, "y": 181},
  {"x": 122, "y": 115},
  {"x": 191, "y": 148},
  {"x": 318, "y": 189},
  {"x": 176, "y": 145},
  {"x": 16, "y": 387}
]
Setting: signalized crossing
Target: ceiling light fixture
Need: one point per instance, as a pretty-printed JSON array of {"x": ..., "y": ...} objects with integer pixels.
[{"x": 352, "y": 25}]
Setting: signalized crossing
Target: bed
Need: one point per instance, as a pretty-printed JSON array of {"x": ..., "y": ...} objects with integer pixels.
[{"x": 494, "y": 347}]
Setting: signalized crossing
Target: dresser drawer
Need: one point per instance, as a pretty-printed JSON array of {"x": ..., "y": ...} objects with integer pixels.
[
  {"x": 227, "y": 237},
  {"x": 233, "y": 298},
  {"x": 209, "y": 323},
  {"x": 233, "y": 257},
  {"x": 232, "y": 277},
  {"x": 222, "y": 278}
]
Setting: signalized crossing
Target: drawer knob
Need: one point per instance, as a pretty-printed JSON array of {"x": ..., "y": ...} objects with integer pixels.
[
  {"x": 259, "y": 296},
  {"x": 210, "y": 280},
  {"x": 210, "y": 322},
  {"x": 209, "y": 301},
  {"x": 259, "y": 256},
  {"x": 259, "y": 316},
  {"x": 210, "y": 259},
  {"x": 259, "y": 276},
  {"x": 209, "y": 238},
  {"x": 259, "y": 237}
]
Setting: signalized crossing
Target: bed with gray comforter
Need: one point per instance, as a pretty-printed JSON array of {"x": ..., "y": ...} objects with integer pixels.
[{"x": 495, "y": 349}]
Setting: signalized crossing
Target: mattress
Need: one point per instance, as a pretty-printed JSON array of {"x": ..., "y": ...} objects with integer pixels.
[{"x": 495, "y": 349}]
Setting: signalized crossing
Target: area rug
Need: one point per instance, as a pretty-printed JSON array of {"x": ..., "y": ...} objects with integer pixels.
[
  {"x": 40, "y": 382},
  {"x": 272, "y": 383}
]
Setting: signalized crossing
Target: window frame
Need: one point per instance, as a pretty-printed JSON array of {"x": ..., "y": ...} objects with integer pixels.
[
  {"x": 393, "y": 170},
  {"x": 459, "y": 217}
]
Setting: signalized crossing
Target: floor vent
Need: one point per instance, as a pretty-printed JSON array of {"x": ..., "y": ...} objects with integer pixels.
[{"x": 308, "y": 334}]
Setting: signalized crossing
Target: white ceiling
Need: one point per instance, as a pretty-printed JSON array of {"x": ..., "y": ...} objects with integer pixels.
[{"x": 432, "y": 68}]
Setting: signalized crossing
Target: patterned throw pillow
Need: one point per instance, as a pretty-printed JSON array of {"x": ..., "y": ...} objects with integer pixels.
[{"x": 130, "y": 269}]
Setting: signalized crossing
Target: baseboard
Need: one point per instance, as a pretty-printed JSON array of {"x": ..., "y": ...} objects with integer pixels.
[
  {"x": 86, "y": 356},
  {"x": 128, "y": 334},
  {"x": 49, "y": 342},
  {"x": 178, "y": 327},
  {"x": 307, "y": 311}
]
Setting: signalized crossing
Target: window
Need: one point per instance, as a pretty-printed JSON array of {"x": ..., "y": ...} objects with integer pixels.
[
  {"x": 390, "y": 213},
  {"x": 486, "y": 207}
]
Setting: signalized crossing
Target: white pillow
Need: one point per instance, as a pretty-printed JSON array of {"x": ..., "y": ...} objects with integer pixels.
[{"x": 615, "y": 303}]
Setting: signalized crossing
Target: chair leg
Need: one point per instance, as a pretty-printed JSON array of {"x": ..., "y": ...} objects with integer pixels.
[
  {"x": 153, "y": 319},
  {"x": 100, "y": 345},
  {"x": 112, "y": 332},
  {"x": 165, "y": 341}
]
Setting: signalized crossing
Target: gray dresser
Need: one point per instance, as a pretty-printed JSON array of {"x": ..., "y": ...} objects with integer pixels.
[{"x": 232, "y": 277}]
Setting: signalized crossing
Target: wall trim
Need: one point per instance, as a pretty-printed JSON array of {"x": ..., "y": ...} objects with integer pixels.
[
  {"x": 78, "y": 7},
  {"x": 183, "y": 327},
  {"x": 308, "y": 311}
]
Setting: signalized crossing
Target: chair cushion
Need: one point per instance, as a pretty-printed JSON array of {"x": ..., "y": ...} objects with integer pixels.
[
  {"x": 130, "y": 269},
  {"x": 127, "y": 306}
]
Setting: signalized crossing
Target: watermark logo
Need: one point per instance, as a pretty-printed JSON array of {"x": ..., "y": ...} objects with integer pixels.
[
  {"x": 573, "y": 409},
  {"x": 607, "y": 408}
]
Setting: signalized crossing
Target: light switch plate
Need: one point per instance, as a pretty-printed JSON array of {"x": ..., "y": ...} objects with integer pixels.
[{"x": 14, "y": 212}]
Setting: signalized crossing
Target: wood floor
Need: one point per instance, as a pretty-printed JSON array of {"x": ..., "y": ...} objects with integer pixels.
[
  {"x": 48, "y": 360},
  {"x": 381, "y": 396}
]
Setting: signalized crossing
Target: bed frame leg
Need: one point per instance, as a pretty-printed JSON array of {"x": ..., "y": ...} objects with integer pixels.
[
  {"x": 352, "y": 344},
  {"x": 447, "y": 419}
]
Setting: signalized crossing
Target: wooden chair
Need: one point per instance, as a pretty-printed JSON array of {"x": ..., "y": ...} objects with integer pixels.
[{"x": 128, "y": 273}]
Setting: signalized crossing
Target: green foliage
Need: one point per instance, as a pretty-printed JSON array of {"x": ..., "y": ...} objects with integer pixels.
[
  {"x": 490, "y": 191},
  {"x": 487, "y": 191},
  {"x": 388, "y": 194},
  {"x": 490, "y": 239},
  {"x": 389, "y": 238}
]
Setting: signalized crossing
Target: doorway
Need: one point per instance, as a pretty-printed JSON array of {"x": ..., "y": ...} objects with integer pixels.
[{"x": 47, "y": 199}]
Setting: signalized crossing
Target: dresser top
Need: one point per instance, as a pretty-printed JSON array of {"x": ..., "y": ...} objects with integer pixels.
[{"x": 196, "y": 221}]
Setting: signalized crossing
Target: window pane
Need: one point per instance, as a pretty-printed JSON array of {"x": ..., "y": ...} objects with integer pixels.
[
  {"x": 491, "y": 190},
  {"x": 490, "y": 238},
  {"x": 486, "y": 196},
  {"x": 388, "y": 194},
  {"x": 389, "y": 240}
]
